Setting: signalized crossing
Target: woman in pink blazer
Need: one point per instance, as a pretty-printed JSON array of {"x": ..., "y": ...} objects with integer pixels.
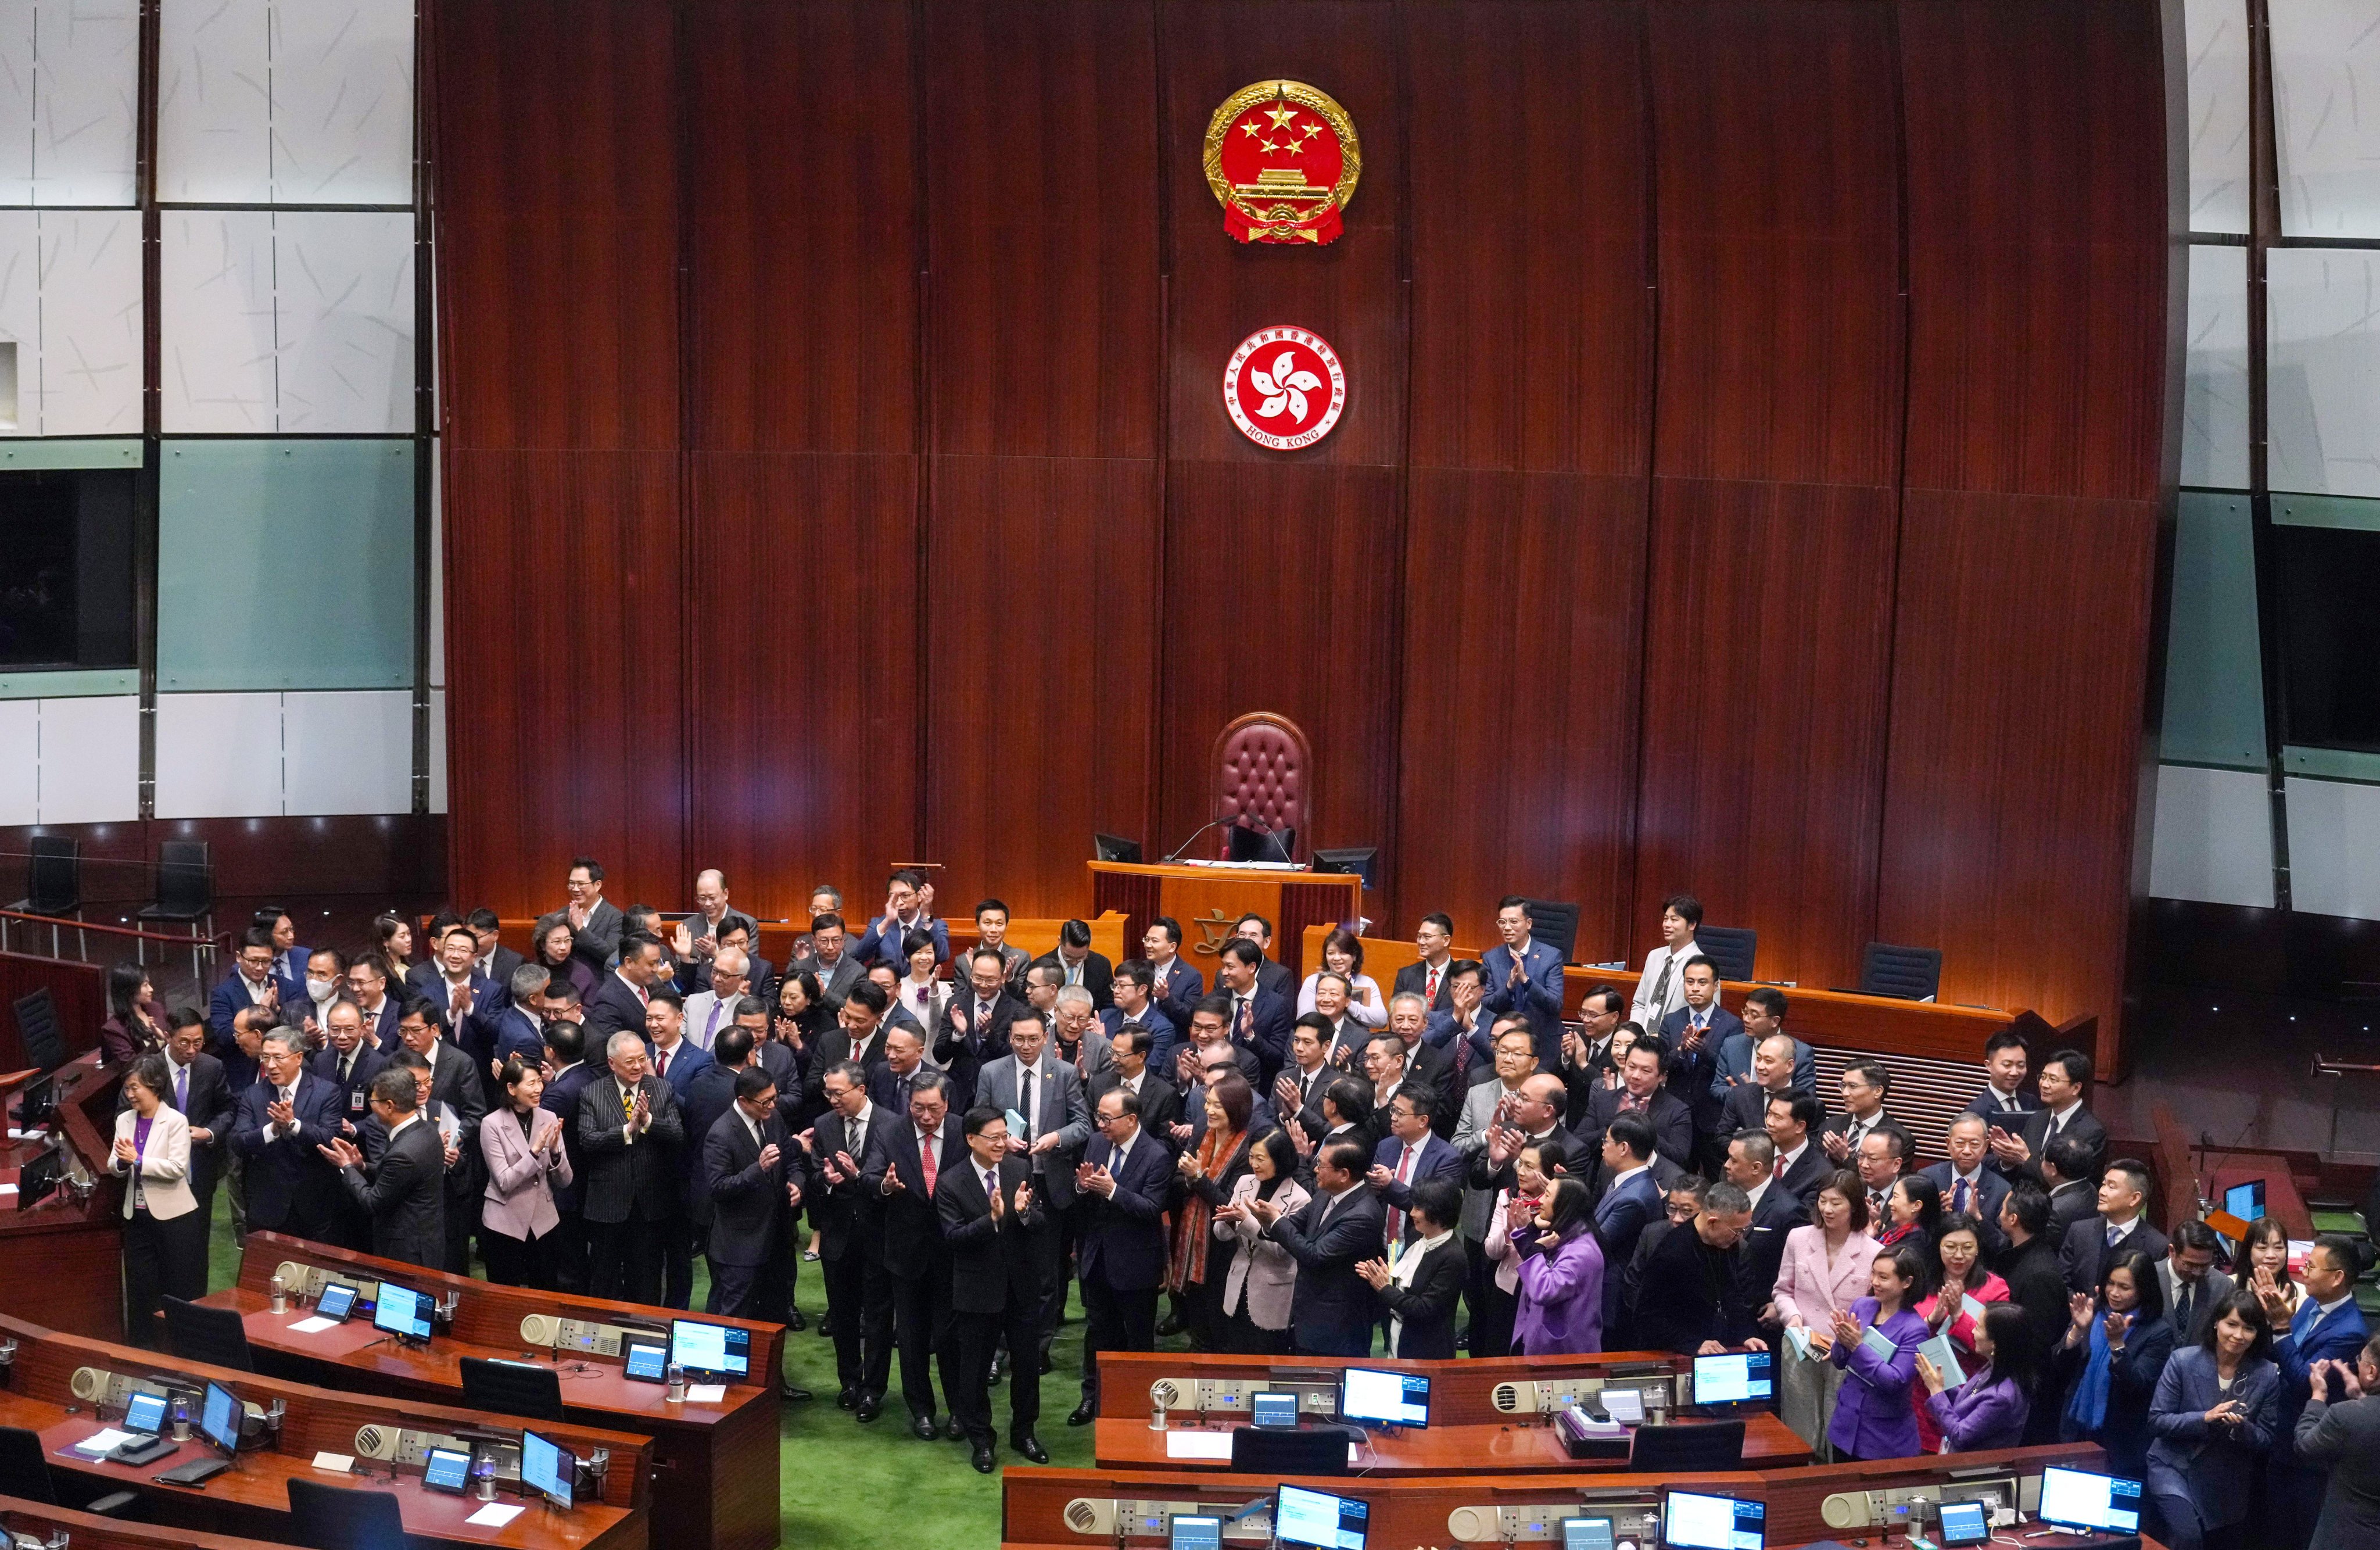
[
  {"x": 1827, "y": 1268},
  {"x": 523, "y": 1146}
]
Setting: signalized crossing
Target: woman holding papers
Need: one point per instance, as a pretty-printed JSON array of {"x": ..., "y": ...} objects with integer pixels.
[
  {"x": 1876, "y": 1346},
  {"x": 1989, "y": 1410},
  {"x": 1954, "y": 1310},
  {"x": 1825, "y": 1268},
  {"x": 2108, "y": 1364}
]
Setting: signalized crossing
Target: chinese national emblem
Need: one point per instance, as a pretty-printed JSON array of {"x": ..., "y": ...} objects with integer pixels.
[
  {"x": 1284, "y": 388},
  {"x": 1283, "y": 159}
]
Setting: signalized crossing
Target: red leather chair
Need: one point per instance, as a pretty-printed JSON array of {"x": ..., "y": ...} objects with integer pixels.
[{"x": 1264, "y": 768}]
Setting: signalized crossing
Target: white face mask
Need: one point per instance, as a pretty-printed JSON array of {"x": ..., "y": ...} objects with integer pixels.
[{"x": 320, "y": 990}]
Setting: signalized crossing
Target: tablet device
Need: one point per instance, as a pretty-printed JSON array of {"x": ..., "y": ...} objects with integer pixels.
[
  {"x": 1318, "y": 1519},
  {"x": 2245, "y": 1201},
  {"x": 1195, "y": 1530},
  {"x": 219, "y": 1418},
  {"x": 1275, "y": 1409},
  {"x": 446, "y": 1469},
  {"x": 547, "y": 1467},
  {"x": 645, "y": 1359},
  {"x": 401, "y": 1312},
  {"x": 2089, "y": 1503},
  {"x": 1586, "y": 1533},
  {"x": 1693, "y": 1520},
  {"x": 710, "y": 1351},
  {"x": 1965, "y": 1524},
  {"x": 338, "y": 1299},
  {"x": 1368, "y": 1396},
  {"x": 1734, "y": 1380},
  {"x": 144, "y": 1412}
]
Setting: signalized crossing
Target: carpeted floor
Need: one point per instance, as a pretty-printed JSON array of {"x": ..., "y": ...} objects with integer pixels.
[{"x": 838, "y": 1479}]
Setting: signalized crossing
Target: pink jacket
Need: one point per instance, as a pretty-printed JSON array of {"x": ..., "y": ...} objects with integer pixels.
[
  {"x": 518, "y": 1201},
  {"x": 1809, "y": 1289}
]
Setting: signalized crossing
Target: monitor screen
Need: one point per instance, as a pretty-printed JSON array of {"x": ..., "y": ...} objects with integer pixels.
[
  {"x": 446, "y": 1469},
  {"x": 337, "y": 1301},
  {"x": 2101, "y": 1503},
  {"x": 1370, "y": 1397},
  {"x": 1196, "y": 1530},
  {"x": 219, "y": 1418},
  {"x": 2245, "y": 1201},
  {"x": 1733, "y": 1378},
  {"x": 1965, "y": 1524},
  {"x": 1275, "y": 1409},
  {"x": 1316, "y": 1518},
  {"x": 1693, "y": 1521},
  {"x": 401, "y": 1312},
  {"x": 545, "y": 1467},
  {"x": 1586, "y": 1533},
  {"x": 144, "y": 1412},
  {"x": 645, "y": 1360},
  {"x": 710, "y": 1348},
  {"x": 37, "y": 1104}
]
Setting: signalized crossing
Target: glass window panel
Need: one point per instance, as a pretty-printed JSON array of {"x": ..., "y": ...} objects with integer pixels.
[
  {"x": 69, "y": 73},
  {"x": 286, "y": 102},
  {"x": 237, "y": 519},
  {"x": 343, "y": 299},
  {"x": 2215, "y": 392},
  {"x": 2216, "y": 33},
  {"x": 91, "y": 760},
  {"x": 2214, "y": 838},
  {"x": 215, "y": 102},
  {"x": 218, "y": 756},
  {"x": 2328, "y": 576},
  {"x": 215, "y": 305},
  {"x": 437, "y": 751},
  {"x": 2326, "y": 116},
  {"x": 21, "y": 762},
  {"x": 346, "y": 752},
  {"x": 2334, "y": 833},
  {"x": 2214, "y": 674},
  {"x": 70, "y": 302},
  {"x": 2322, "y": 371}
]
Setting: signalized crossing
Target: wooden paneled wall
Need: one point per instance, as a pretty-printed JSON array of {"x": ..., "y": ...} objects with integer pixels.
[{"x": 1761, "y": 430}]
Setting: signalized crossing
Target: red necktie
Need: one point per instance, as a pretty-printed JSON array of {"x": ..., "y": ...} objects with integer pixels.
[
  {"x": 1429, "y": 990},
  {"x": 930, "y": 1156},
  {"x": 1777, "y": 1174},
  {"x": 1462, "y": 1052},
  {"x": 661, "y": 1064}
]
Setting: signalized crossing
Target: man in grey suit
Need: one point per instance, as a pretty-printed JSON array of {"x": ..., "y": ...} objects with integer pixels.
[
  {"x": 2344, "y": 1437},
  {"x": 406, "y": 1195},
  {"x": 1052, "y": 1121}
]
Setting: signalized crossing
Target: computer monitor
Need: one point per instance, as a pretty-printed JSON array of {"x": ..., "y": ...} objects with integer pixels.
[
  {"x": 1370, "y": 1397},
  {"x": 645, "y": 1357},
  {"x": 1275, "y": 1408},
  {"x": 2089, "y": 1503},
  {"x": 547, "y": 1467},
  {"x": 1586, "y": 1533},
  {"x": 1965, "y": 1524},
  {"x": 1691, "y": 1520},
  {"x": 1360, "y": 861},
  {"x": 1194, "y": 1530},
  {"x": 338, "y": 1299},
  {"x": 1733, "y": 1380},
  {"x": 446, "y": 1469},
  {"x": 38, "y": 1179},
  {"x": 403, "y": 1312},
  {"x": 1318, "y": 1519},
  {"x": 1115, "y": 847},
  {"x": 219, "y": 1418},
  {"x": 2245, "y": 1201},
  {"x": 710, "y": 1351},
  {"x": 37, "y": 1103},
  {"x": 1261, "y": 844},
  {"x": 144, "y": 1412}
]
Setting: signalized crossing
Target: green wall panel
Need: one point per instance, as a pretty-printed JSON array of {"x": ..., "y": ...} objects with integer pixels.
[{"x": 2213, "y": 675}]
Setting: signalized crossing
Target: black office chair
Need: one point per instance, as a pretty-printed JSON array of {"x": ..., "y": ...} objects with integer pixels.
[
  {"x": 333, "y": 1517},
  {"x": 53, "y": 887},
  {"x": 1713, "y": 1444},
  {"x": 39, "y": 1032},
  {"x": 1734, "y": 948},
  {"x": 186, "y": 893},
  {"x": 1554, "y": 924},
  {"x": 512, "y": 1389},
  {"x": 215, "y": 1335},
  {"x": 1911, "y": 973},
  {"x": 25, "y": 1474}
]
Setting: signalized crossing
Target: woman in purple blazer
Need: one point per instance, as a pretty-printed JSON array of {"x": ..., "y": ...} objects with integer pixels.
[
  {"x": 1561, "y": 1273},
  {"x": 1989, "y": 1408},
  {"x": 1873, "y": 1415}
]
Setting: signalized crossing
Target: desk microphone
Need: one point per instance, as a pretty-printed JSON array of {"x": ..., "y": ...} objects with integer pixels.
[{"x": 1186, "y": 844}]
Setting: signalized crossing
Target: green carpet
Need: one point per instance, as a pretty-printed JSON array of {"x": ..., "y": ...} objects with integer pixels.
[{"x": 837, "y": 1477}]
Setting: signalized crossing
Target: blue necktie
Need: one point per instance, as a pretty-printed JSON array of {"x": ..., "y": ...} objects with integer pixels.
[
  {"x": 182, "y": 1088},
  {"x": 2113, "y": 1233}
]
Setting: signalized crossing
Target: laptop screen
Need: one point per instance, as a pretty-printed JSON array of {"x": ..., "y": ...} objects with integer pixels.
[
  {"x": 2099, "y": 1503},
  {"x": 1733, "y": 1378},
  {"x": 1691, "y": 1520},
  {"x": 1319, "y": 1519}
]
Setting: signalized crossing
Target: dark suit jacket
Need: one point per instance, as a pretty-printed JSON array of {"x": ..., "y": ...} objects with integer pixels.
[
  {"x": 885, "y": 1092},
  {"x": 1427, "y": 1307},
  {"x": 560, "y": 1098},
  {"x": 1746, "y": 1108},
  {"x": 2311, "y": 1337},
  {"x": 1433, "y": 1068},
  {"x": 1809, "y": 1171},
  {"x": 1415, "y": 977},
  {"x": 614, "y": 1008},
  {"x": 1121, "y": 1241},
  {"x": 685, "y": 1063},
  {"x": 455, "y": 1079},
  {"x": 1274, "y": 977},
  {"x": 625, "y": 1179},
  {"x": 2035, "y": 1285},
  {"x": 1165, "y": 1034},
  {"x": 744, "y": 1203},
  {"x": 834, "y": 1046},
  {"x": 1691, "y": 1294},
  {"x": 1691, "y": 1071},
  {"x": 1271, "y": 1017},
  {"x": 370, "y": 1061},
  {"x": 1760, "y": 1254},
  {"x": 986, "y": 1040},
  {"x": 1160, "y": 1104},
  {"x": 877, "y": 947},
  {"x": 405, "y": 1196},
  {"x": 1673, "y": 1126},
  {"x": 599, "y": 940},
  {"x": 849, "y": 1214},
  {"x": 1098, "y": 976},
  {"x": 1984, "y": 1203},
  {"x": 1538, "y": 997},
  {"x": 1621, "y": 1217},
  {"x": 1438, "y": 1160},
  {"x": 1309, "y": 1113},
  {"x": 833, "y": 984},
  {"x": 1178, "y": 986},
  {"x": 289, "y": 1185},
  {"x": 2082, "y": 1125},
  {"x": 912, "y": 1236},
  {"x": 708, "y": 1097},
  {"x": 1332, "y": 1309},
  {"x": 994, "y": 1266},
  {"x": 212, "y": 1108},
  {"x": 2343, "y": 1439}
]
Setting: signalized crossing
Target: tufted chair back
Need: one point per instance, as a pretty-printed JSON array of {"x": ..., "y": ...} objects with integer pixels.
[{"x": 1264, "y": 768}]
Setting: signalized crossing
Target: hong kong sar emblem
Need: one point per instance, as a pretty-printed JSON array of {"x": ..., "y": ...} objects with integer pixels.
[
  {"x": 1283, "y": 159},
  {"x": 1284, "y": 388}
]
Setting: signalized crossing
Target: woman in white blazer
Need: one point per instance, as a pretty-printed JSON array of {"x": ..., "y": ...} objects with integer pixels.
[
  {"x": 1263, "y": 1278},
  {"x": 165, "y": 1235},
  {"x": 1826, "y": 1270}
]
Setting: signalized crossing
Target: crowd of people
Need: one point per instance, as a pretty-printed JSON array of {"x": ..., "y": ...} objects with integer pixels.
[{"x": 1262, "y": 1165}]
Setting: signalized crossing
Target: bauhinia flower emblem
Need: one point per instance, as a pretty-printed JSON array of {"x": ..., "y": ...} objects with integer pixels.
[{"x": 1284, "y": 388}]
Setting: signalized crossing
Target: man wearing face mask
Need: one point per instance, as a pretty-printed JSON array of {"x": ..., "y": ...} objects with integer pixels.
[{"x": 326, "y": 979}]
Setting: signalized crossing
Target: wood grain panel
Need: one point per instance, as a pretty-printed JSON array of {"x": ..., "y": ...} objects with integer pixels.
[
  {"x": 1042, "y": 640},
  {"x": 562, "y": 731},
  {"x": 803, "y": 724},
  {"x": 557, "y": 226},
  {"x": 1041, "y": 150},
  {"x": 1523, "y": 625},
  {"x": 2016, "y": 738},
  {"x": 802, "y": 156},
  {"x": 1766, "y": 676},
  {"x": 2039, "y": 181}
]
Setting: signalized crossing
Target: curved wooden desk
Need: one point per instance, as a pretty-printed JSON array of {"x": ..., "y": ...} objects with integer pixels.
[
  {"x": 90, "y": 1532},
  {"x": 66, "y": 1256}
]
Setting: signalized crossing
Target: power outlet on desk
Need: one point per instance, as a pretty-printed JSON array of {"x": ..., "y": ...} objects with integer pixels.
[{"x": 1635, "y": 1520}]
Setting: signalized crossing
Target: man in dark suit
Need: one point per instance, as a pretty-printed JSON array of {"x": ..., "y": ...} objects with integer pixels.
[
  {"x": 1259, "y": 1019},
  {"x": 2326, "y": 1327},
  {"x": 1120, "y": 1241},
  {"x": 251, "y": 983},
  {"x": 1298, "y": 1090},
  {"x": 1411, "y": 1153},
  {"x": 281, "y": 929},
  {"x": 1694, "y": 1032},
  {"x": 857, "y": 1035},
  {"x": 466, "y": 999},
  {"x": 1468, "y": 1031},
  {"x": 1159, "y": 1103},
  {"x": 974, "y": 1028},
  {"x": 1427, "y": 1068},
  {"x": 406, "y": 1193},
  {"x": 1769, "y": 1076},
  {"x": 1031, "y": 1083},
  {"x": 282, "y": 1118},
  {"x": 463, "y": 1167},
  {"x": 195, "y": 1084},
  {"x": 889, "y": 1085},
  {"x": 368, "y": 982},
  {"x": 1764, "y": 1017},
  {"x": 2123, "y": 1196},
  {"x": 850, "y": 1220},
  {"x": 347, "y": 1059},
  {"x": 1792, "y": 1123},
  {"x": 630, "y": 1132},
  {"x": 752, "y": 1176},
  {"x": 565, "y": 1045},
  {"x": 1077, "y": 964},
  {"x": 1433, "y": 939},
  {"x": 903, "y": 915},
  {"x": 2065, "y": 1171},
  {"x": 1630, "y": 1201},
  {"x": 2064, "y": 1082},
  {"x": 1865, "y": 1085},
  {"x": 1178, "y": 985},
  {"x": 1640, "y": 1092},
  {"x": 1525, "y": 976},
  {"x": 907, "y": 1159},
  {"x": 422, "y": 1027},
  {"x": 1136, "y": 1000},
  {"x": 2339, "y": 1432},
  {"x": 621, "y": 995},
  {"x": 1760, "y": 1255},
  {"x": 516, "y": 1028},
  {"x": 992, "y": 1219},
  {"x": 596, "y": 919},
  {"x": 495, "y": 960},
  {"x": 2004, "y": 1102},
  {"x": 1332, "y": 1309},
  {"x": 1967, "y": 1185},
  {"x": 1271, "y": 975},
  {"x": 1692, "y": 1299}
]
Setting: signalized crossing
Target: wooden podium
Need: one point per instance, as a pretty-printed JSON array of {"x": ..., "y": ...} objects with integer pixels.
[{"x": 1207, "y": 899}]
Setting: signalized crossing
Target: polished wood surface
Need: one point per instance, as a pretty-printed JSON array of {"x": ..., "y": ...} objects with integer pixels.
[
  {"x": 93, "y": 1532},
  {"x": 1209, "y": 900},
  {"x": 717, "y": 1463},
  {"x": 1512, "y": 1446},
  {"x": 63, "y": 1257},
  {"x": 253, "y": 1498}
]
